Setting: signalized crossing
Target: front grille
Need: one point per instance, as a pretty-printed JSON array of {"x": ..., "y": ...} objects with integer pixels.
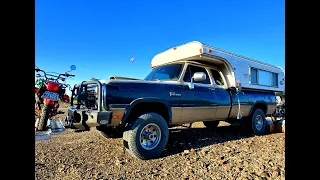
[{"x": 92, "y": 98}]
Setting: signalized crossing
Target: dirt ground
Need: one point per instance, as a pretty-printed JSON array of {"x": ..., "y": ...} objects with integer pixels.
[{"x": 195, "y": 153}]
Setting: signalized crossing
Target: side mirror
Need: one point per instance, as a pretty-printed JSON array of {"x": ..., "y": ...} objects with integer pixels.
[
  {"x": 198, "y": 76},
  {"x": 73, "y": 67}
]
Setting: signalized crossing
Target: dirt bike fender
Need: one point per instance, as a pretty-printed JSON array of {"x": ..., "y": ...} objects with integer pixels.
[{"x": 48, "y": 101}]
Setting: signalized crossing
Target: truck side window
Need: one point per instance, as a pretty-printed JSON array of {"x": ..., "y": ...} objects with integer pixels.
[
  {"x": 217, "y": 78},
  {"x": 193, "y": 69}
]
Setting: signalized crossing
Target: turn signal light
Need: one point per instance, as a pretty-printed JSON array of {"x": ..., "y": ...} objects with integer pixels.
[{"x": 117, "y": 116}]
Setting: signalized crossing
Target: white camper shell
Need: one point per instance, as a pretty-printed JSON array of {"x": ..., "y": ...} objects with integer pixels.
[{"x": 237, "y": 69}]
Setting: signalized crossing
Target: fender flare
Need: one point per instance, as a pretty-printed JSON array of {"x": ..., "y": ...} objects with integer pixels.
[
  {"x": 255, "y": 103},
  {"x": 144, "y": 100}
]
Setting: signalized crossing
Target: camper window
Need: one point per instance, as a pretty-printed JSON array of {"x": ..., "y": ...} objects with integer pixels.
[
  {"x": 217, "y": 78},
  {"x": 193, "y": 69},
  {"x": 254, "y": 76},
  {"x": 274, "y": 79},
  {"x": 264, "y": 78}
]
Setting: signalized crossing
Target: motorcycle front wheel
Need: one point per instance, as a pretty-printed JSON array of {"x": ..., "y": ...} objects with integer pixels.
[{"x": 44, "y": 117}]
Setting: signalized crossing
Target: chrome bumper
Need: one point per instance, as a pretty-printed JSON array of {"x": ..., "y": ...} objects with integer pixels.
[{"x": 84, "y": 119}]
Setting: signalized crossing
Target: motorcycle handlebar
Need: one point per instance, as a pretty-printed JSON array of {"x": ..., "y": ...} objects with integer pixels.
[
  {"x": 58, "y": 77},
  {"x": 61, "y": 84},
  {"x": 45, "y": 74},
  {"x": 66, "y": 75}
]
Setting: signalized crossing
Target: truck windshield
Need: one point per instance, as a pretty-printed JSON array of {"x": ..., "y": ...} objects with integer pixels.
[{"x": 167, "y": 72}]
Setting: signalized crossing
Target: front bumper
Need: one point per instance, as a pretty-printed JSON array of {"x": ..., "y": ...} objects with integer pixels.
[{"x": 84, "y": 119}]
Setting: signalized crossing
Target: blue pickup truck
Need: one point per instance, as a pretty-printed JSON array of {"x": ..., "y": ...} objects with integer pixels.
[{"x": 188, "y": 83}]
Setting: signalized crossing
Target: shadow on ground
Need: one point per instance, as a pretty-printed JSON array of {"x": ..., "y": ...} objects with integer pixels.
[
  {"x": 187, "y": 138},
  {"x": 182, "y": 138}
]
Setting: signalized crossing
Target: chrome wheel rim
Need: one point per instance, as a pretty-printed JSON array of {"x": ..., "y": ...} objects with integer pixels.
[
  {"x": 150, "y": 136},
  {"x": 259, "y": 122}
]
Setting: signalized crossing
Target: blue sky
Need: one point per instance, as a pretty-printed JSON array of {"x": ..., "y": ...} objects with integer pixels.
[{"x": 101, "y": 36}]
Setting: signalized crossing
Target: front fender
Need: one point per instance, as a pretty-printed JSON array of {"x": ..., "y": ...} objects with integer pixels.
[{"x": 144, "y": 100}]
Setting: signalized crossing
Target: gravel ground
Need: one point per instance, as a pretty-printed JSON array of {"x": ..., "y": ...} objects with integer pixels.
[{"x": 192, "y": 153}]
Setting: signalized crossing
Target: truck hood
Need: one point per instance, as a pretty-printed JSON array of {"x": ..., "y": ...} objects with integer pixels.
[
  {"x": 123, "y": 78},
  {"x": 126, "y": 81}
]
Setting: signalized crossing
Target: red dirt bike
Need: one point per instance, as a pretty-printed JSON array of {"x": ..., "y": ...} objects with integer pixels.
[{"x": 49, "y": 95}]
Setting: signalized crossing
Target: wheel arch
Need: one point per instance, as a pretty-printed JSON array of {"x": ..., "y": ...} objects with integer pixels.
[
  {"x": 151, "y": 104},
  {"x": 258, "y": 105}
]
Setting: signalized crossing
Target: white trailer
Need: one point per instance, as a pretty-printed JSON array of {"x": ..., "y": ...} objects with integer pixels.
[{"x": 239, "y": 71}]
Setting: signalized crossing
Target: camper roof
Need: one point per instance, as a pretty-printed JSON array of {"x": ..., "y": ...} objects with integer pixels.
[
  {"x": 196, "y": 48},
  {"x": 235, "y": 67}
]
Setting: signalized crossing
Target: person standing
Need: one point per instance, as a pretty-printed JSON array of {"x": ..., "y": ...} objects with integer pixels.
[{"x": 39, "y": 84}]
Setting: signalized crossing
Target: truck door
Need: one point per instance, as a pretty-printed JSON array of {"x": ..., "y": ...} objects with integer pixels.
[
  {"x": 223, "y": 96},
  {"x": 199, "y": 103},
  {"x": 175, "y": 92}
]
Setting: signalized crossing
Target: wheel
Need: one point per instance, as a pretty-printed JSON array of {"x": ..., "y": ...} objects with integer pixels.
[
  {"x": 211, "y": 124},
  {"x": 257, "y": 123},
  {"x": 110, "y": 132},
  {"x": 44, "y": 117},
  {"x": 146, "y": 136}
]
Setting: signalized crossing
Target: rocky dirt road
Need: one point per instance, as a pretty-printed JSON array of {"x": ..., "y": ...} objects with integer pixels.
[{"x": 195, "y": 153}]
